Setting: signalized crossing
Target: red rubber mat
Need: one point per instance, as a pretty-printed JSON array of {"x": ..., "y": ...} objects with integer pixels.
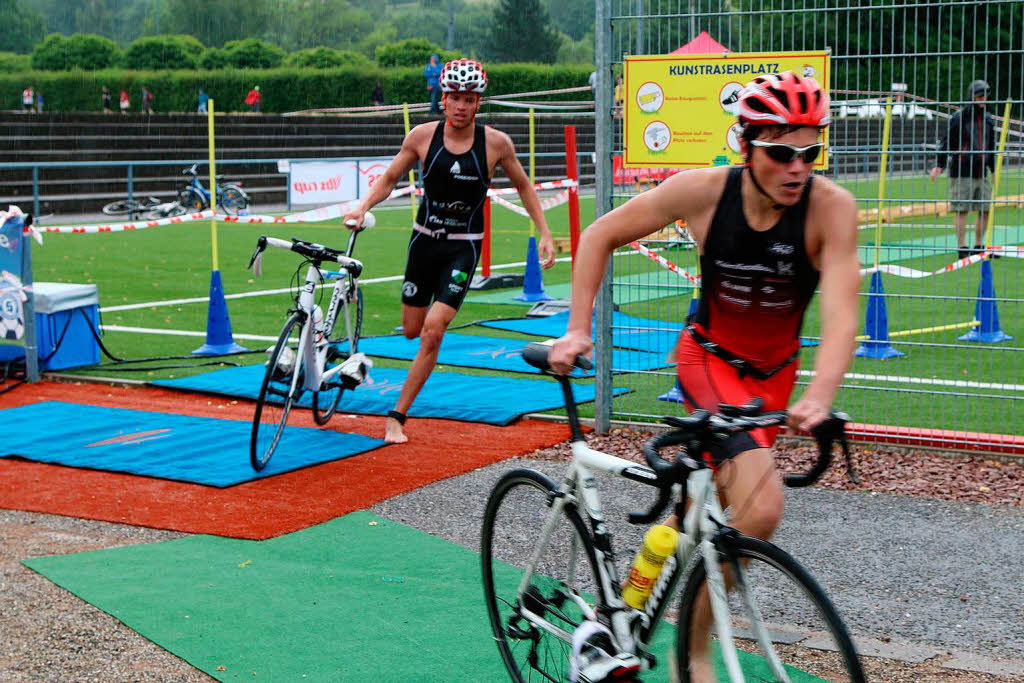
[{"x": 437, "y": 449}]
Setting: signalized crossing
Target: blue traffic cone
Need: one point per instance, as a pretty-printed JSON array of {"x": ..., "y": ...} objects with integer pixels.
[
  {"x": 876, "y": 326},
  {"x": 985, "y": 311},
  {"x": 218, "y": 323},
  {"x": 673, "y": 395},
  {"x": 533, "y": 284}
]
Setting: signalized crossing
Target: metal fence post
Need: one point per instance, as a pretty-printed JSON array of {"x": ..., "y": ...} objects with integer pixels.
[
  {"x": 35, "y": 190},
  {"x": 602, "y": 205}
]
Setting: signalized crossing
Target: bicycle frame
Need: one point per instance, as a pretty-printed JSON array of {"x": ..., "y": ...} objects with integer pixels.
[
  {"x": 315, "y": 350},
  {"x": 704, "y": 519}
]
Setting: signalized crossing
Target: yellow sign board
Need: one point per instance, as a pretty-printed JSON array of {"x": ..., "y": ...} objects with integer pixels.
[{"x": 680, "y": 110}]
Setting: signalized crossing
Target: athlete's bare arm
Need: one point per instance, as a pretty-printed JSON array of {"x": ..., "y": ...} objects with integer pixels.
[
  {"x": 505, "y": 152},
  {"x": 414, "y": 148},
  {"x": 691, "y": 195},
  {"x": 832, "y": 217}
]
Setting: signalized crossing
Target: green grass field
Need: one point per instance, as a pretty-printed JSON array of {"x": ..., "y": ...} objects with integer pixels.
[{"x": 174, "y": 262}]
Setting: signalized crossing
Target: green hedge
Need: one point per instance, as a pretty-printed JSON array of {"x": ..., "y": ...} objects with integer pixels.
[{"x": 283, "y": 89}]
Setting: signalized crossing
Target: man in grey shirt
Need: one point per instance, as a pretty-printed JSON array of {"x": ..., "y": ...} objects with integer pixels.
[{"x": 967, "y": 148}]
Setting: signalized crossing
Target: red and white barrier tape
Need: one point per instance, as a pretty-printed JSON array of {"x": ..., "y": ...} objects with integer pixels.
[
  {"x": 121, "y": 227},
  {"x": 549, "y": 203},
  {"x": 665, "y": 263},
  {"x": 548, "y": 185},
  {"x": 903, "y": 271}
]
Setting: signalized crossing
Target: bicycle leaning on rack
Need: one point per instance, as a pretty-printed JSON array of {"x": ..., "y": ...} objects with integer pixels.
[
  {"x": 307, "y": 356},
  {"x": 549, "y": 567}
]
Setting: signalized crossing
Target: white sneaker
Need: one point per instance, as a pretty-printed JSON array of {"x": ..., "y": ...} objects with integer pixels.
[
  {"x": 355, "y": 369},
  {"x": 594, "y": 659}
]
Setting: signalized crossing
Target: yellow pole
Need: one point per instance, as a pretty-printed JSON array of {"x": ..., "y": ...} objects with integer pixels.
[
  {"x": 881, "y": 174},
  {"x": 213, "y": 180},
  {"x": 995, "y": 176},
  {"x": 412, "y": 173},
  {"x": 532, "y": 163},
  {"x": 923, "y": 330}
]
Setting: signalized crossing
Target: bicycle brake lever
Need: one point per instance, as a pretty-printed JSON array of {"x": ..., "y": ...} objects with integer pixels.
[{"x": 256, "y": 262}]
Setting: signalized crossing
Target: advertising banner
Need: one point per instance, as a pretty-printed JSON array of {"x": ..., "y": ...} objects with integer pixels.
[
  {"x": 330, "y": 182},
  {"x": 680, "y": 110}
]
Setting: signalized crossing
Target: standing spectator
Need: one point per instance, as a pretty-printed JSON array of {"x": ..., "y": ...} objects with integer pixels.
[
  {"x": 105, "y": 99},
  {"x": 377, "y": 96},
  {"x": 967, "y": 148},
  {"x": 432, "y": 72},
  {"x": 125, "y": 103},
  {"x": 204, "y": 99},
  {"x": 618, "y": 95},
  {"x": 147, "y": 100},
  {"x": 39, "y": 99},
  {"x": 253, "y": 99},
  {"x": 593, "y": 84},
  {"x": 28, "y": 100}
]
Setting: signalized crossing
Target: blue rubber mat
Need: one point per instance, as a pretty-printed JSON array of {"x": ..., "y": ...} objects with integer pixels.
[
  {"x": 202, "y": 450},
  {"x": 494, "y": 353},
  {"x": 446, "y": 395},
  {"x": 628, "y": 332}
]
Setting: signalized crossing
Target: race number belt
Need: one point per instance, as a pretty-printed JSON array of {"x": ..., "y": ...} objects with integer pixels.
[
  {"x": 440, "y": 234},
  {"x": 742, "y": 365}
]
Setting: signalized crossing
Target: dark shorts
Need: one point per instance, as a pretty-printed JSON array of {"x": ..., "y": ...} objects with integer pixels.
[
  {"x": 706, "y": 380},
  {"x": 439, "y": 270}
]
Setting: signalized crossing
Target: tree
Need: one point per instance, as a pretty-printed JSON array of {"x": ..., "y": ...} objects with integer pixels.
[
  {"x": 575, "y": 18},
  {"x": 214, "y": 22},
  {"x": 11, "y": 63},
  {"x": 87, "y": 52},
  {"x": 213, "y": 58},
  {"x": 411, "y": 52},
  {"x": 325, "y": 58},
  {"x": 253, "y": 53},
  {"x": 521, "y": 31},
  {"x": 23, "y": 27},
  {"x": 163, "y": 52}
]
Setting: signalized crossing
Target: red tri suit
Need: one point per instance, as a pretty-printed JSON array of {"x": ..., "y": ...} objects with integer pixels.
[{"x": 755, "y": 288}]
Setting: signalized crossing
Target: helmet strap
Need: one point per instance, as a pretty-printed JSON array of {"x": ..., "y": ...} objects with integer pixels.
[{"x": 753, "y": 178}]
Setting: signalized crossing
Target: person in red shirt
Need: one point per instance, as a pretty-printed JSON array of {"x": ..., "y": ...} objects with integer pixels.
[
  {"x": 253, "y": 99},
  {"x": 768, "y": 233}
]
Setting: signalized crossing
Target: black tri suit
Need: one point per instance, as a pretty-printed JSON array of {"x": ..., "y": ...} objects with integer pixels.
[{"x": 449, "y": 228}]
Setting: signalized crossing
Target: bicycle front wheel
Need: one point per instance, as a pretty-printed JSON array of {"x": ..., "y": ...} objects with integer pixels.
[
  {"x": 121, "y": 207},
  {"x": 274, "y": 403},
  {"x": 533, "y": 630},
  {"x": 802, "y": 638}
]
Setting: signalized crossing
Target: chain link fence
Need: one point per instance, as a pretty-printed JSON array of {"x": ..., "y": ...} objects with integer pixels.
[{"x": 953, "y": 358}]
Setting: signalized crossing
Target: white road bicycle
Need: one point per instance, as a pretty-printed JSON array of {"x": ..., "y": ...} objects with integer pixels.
[
  {"x": 549, "y": 566},
  {"x": 306, "y": 357}
]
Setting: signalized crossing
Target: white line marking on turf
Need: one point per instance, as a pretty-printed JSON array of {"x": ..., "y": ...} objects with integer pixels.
[
  {"x": 267, "y": 292},
  {"x": 925, "y": 381},
  {"x": 180, "y": 333}
]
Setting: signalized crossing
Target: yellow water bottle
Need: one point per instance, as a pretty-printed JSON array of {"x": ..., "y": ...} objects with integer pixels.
[{"x": 659, "y": 543}]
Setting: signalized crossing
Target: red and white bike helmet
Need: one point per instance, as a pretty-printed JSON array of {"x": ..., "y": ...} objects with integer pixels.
[
  {"x": 785, "y": 99},
  {"x": 463, "y": 75}
]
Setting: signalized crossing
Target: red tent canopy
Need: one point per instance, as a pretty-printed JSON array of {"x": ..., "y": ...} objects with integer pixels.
[{"x": 703, "y": 44}]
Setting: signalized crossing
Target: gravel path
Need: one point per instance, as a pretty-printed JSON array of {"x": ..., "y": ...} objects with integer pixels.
[{"x": 914, "y": 571}]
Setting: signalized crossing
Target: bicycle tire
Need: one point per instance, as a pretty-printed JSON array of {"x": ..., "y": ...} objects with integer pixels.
[
  {"x": 807, "y": 632},
  {"x": 122, "y": 207},
  {"x": 325, "y": 401},
  {"x": 275, "y": 399},
  {"x": 233, "y": 200},
  {"x": 516, "y": 511},
  {"x": 191, "y": 201}
]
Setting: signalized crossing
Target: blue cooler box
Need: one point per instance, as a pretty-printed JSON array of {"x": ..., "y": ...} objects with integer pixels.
[{"x": 59, "y": 304}]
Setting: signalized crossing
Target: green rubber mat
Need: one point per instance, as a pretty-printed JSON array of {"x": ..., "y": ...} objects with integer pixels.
[
  {"x": 930, "y": 246},
  {"x": 358, "y": 598},
  {"x": 627, "y": 289}
]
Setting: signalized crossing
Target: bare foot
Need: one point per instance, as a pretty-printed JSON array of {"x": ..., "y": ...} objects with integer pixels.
[
  {"x": 393, "y": 431},
  {"x": 700, "y": 668}
]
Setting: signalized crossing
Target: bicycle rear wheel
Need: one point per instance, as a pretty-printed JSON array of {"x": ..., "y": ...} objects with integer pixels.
[
  {"x": 325, "y": 401},
  {"x": 517, "y": 509},
  {"x": 274, "y": 403},
  {"x": 233, "y": 200},
  {"x": 802, "y": 628}
]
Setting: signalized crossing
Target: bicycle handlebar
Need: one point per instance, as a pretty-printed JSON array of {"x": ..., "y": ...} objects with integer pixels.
[
  {"x": 369, "y": 220},
  {"x": 317, "y": 253}
]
